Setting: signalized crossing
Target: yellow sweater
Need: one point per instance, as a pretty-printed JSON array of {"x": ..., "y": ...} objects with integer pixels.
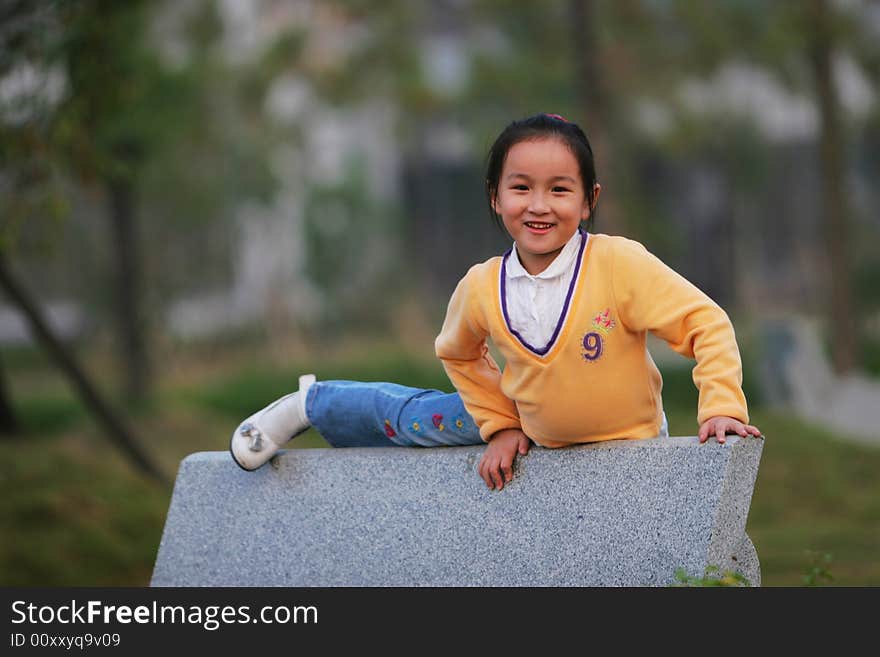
[{"x": 597, "y": 380}]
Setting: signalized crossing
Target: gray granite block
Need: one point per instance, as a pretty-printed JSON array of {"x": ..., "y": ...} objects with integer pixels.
[{"x": 618, "y": 513}]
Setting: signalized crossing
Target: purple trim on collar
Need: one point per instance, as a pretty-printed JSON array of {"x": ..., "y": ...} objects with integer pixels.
[{"x": 562, "y": 315}]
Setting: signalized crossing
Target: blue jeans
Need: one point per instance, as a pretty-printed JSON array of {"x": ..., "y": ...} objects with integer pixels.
[{"x": 359, "y": 414}]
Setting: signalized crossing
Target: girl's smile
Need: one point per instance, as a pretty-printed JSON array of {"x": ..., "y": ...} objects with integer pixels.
[
  {"x": 541, "y": 199},
  {"x": 538, "y": 227}
]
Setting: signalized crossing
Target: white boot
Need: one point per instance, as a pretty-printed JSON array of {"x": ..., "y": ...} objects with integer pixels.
[{"x": 257, "y": 439}]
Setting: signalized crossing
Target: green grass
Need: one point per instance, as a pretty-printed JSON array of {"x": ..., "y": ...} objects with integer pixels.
[
  {"x": 73, "y": 512},
  {"x": 73, "y": 518},
  {"x": 47, "y": 415},
  {"x": 870, "y": 356}
]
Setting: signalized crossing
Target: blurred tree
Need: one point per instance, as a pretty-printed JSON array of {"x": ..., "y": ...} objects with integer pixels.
[
  {"x": 114, "y": 111},
  {"x": 33, "y": 193},
  {"x": 585, "y": 59},
  {"x": 63, "y": 358},
  {"x": 822, "y": 31},
  {"x": 592, "y": 97},
  {"x": 175, "y": 143},
  {"x": 799, "y": 45},
  {"x": 349, "y": 65},
  {"x": 9, "y": 423}
]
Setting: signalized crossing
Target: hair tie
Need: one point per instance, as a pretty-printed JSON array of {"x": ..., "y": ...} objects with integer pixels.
[{"x": 557, "y": 116}]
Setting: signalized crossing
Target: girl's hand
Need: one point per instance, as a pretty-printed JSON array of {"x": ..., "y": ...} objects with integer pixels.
[
  {"x": 496, "y": 466},
  {"x": 722, "y": 425}
]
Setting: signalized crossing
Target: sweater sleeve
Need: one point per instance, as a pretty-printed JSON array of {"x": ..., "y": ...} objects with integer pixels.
[
  {"x": 651, "y": 296},
  {"x": 461, "y": 346}
]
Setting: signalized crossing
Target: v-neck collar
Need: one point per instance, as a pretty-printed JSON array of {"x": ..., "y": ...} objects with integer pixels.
[
  {"x": 541, "y": 351},
  {"x": 555, "y": 269}
]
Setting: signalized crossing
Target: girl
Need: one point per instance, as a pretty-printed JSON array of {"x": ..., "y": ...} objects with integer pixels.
[{"x": 569, "y": 311}]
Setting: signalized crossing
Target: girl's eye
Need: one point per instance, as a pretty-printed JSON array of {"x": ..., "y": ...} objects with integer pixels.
[
  {"x": 520, "y": 187},
  {"x": 560, "y": 189}
]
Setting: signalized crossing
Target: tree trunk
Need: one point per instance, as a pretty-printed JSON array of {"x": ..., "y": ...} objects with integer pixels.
[
  {"x": 835, "y": 220},
  {"x": 65, "y": 361},
  {"x": 8, "y": 421},
  {"x": 592, "y": 97},
  {"x": 131, "y": 331}
]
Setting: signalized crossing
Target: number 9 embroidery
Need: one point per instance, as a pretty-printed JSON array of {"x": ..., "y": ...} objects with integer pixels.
[{"x": 592, "y": 346}]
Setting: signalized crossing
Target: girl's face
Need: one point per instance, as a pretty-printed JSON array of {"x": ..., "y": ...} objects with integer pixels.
[{"x": 541, "y": 199}]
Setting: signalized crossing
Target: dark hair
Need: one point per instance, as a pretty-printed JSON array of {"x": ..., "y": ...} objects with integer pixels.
[{"x": 537, "y": 127}]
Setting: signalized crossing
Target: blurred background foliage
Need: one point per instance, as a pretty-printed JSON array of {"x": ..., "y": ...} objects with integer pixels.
[{"x": 200, "y": 199}]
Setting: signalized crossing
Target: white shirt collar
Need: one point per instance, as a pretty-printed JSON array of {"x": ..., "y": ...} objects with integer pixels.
[{"x": 560, "y": 265}]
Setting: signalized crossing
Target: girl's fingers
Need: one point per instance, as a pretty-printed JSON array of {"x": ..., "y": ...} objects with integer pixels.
[
  {"x": 484, "y": 474},
  {"x": 507, "y": 468},
  {"x": 495, "y": 471},
  {"x": 721, "y": 428}
]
